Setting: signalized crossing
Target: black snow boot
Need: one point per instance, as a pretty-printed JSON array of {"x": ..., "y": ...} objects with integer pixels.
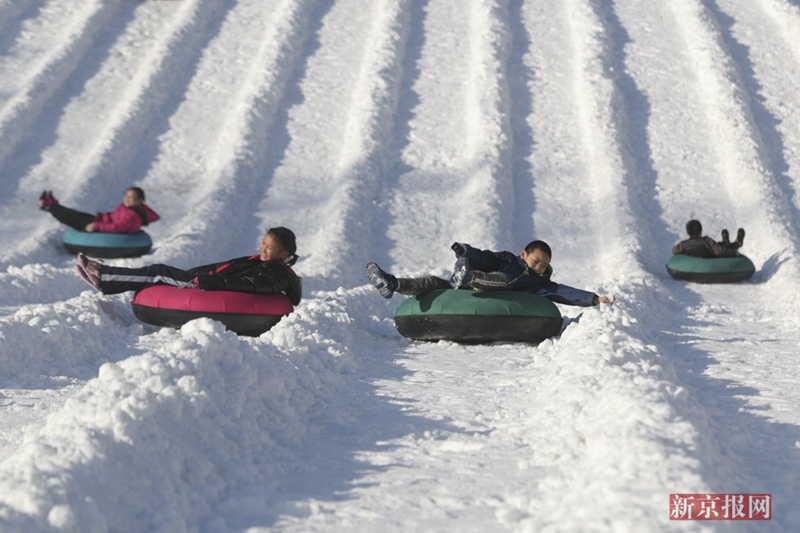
[
  {"x": 383, "y": 281},
  {"x": 740, "y": 237}
]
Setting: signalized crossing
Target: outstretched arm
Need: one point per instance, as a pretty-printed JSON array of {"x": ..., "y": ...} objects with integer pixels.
[{"x": 564, "y": 294}]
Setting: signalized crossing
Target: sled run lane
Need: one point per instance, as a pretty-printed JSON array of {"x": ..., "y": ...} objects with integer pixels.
[
  {"x": 126, "y": 68},
  {"x": 721, "y": 152},
  {"x": 217, "y": 149},
  {"x": 337, "y": 138},
  {"x": 60, "y": 66}
]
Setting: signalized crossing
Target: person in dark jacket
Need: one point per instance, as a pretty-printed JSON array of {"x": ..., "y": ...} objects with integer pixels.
[
  {"x": 268, "y": 272},
  {"x": 698, "y": 245},
  {"x": 128, "y": 217},
  {"x": 530, "y": 271}
]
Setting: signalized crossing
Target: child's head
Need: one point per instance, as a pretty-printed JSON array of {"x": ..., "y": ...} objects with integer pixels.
[
  {"x": 694, "y": 228},
  {"x": 537, "y": 256},
  {"x": 133, "y": 196},
  {"x": 278, "y": 243}
]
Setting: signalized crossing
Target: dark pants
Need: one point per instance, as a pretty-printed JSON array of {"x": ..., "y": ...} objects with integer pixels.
[
  {"x": 415, "y": 286},
  {"x": 72, "y": 218},
  {"x": 114, "y": 280},
  {"x": 485, "y": 281}
]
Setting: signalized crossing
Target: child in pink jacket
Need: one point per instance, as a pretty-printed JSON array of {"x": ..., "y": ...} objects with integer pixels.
[{"x": 128, "y": 217}]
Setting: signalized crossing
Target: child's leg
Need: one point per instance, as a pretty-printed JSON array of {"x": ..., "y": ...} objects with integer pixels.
[
  {"x": 489, "y": 281},
  {"x": 114, "y": 280},
  {"x": 414, "y": 286},
  {"x": 72, "y": 218}
]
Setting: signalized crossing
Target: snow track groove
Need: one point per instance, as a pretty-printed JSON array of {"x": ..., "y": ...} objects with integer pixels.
[
  {"x": 564, "y": 163},
  {"x": 771, "y": 186},
  {"x": 596, "y": 162},
  {"x": 770, "y": 69},
  {"x": 132, "y": 91},
  {"x": 762, "y": 196},
  {"x": 40, "y": 68},
  {"x": 520, "y": 74},
  {"x": 714, "y": 107},
  {"x": 359, "y": 105},
  {"x": 727, "y": 176},
  {"x": 743, "y": 174},
  {"x": 473, "y": 149},
  {"x": 490, "y": 138},
  {"x": 13, "y": 16},
  {"x": 232, "y": 130}
]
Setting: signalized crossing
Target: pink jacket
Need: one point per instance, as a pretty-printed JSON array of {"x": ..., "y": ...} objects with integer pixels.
[{"x": 125, "y": 219}]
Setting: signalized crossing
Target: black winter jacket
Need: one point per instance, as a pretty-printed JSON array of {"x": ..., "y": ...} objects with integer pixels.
[
  {"x": 250, "y": 274},
  {"x": 518, "y": 277},
  {"x": 704, "y": 247}
]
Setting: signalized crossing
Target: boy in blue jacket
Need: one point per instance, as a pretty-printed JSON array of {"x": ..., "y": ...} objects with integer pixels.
[{"x": 487, "y": 270}]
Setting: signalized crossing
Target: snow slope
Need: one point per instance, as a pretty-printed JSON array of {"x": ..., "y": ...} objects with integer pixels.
[{"x": 385, "y": 131}]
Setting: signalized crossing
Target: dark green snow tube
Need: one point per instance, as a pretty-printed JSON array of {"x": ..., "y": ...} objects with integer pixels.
[
  {"x": 710, "y": 270},
  {"x": 475, "y": 317}
]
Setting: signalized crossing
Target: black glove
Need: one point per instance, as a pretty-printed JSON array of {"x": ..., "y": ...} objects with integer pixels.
[{"x": 459, "y": 249}]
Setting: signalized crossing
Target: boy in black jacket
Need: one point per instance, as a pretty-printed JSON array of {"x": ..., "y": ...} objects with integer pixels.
[
  {"x": 487, "y": 270},
  {"x": 268, "y": 272}
]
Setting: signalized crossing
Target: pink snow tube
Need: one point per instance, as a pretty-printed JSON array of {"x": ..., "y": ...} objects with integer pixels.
[{"x": 241, "y": 312}]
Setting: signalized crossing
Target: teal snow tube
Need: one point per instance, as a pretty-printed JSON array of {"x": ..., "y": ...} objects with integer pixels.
[
  {"x": 710, "y": 269},
  {"x": 477, "y": 317},
  {"x": 107, "y": 245}
]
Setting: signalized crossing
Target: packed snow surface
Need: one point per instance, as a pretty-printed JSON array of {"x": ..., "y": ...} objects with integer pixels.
[{"x": 386, "y": 130}]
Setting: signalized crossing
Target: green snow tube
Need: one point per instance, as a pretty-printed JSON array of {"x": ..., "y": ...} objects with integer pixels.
[
  {"x": 476, "y": 317},
  {"x": 710, "y": 270}
]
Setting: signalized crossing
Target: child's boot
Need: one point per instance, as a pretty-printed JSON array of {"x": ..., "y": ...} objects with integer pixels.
[
  {"x": 88, "y": 277},
  {"x": 89, "y": 265},
  {"x": 384, "y": 282},
  {"x": 462, "y": 273},
  {"x": 740, "y": 237},
  {"x": 46, "y": 200}
]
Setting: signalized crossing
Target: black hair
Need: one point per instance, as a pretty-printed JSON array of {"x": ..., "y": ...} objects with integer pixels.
[
  {"x": 138, "y": 191},
  {"x": 694, "y": 228},
  {"x": 288, "y": 242},
  {"x": 539, "y": 245}
]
